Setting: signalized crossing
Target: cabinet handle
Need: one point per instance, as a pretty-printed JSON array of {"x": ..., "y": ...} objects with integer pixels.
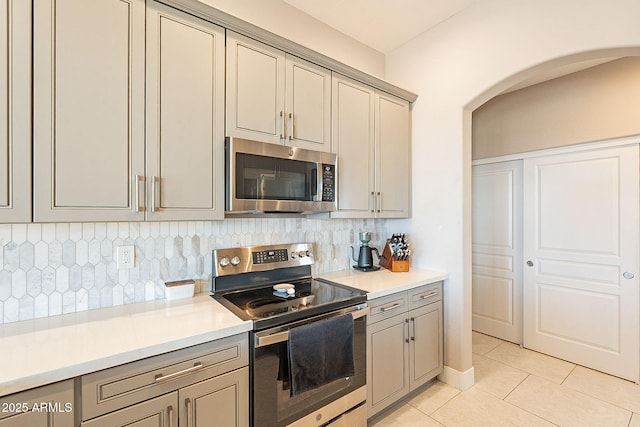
[
  {"x": 291, "y": 124},
  {"x": 155, "y": 185},
  {"x": 379, "y": 204},
  {"x": 160, "y": 378},
  {"x": 390, "y": 307},
  {"x": 406, "y": 338},
  {"x": 281, "y": 124},
  {"x": 187, "y": 403},
  {"x": 373, "y": 202},
  {"x": 429, "y": 295},
  {"x": 413, "y": 321},
  {"x": 170, "y": 415},
  {"x": 137, "y": 194}
]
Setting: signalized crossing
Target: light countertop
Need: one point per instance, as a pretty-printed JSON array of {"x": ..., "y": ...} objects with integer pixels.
[
  {"x": 383, "y": 282},
  {"x": 43, "y": 351}
]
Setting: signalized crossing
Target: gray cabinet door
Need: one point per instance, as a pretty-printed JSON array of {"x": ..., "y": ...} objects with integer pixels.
[
  {"x": 15, "y": 111},
  {"x": 425, "y": 352},
  {"x": 308, "y": 105},
  {"x": 388, "y": 362},
  {"x": 255, "y": 90},
  {"x": 185, "y": 116},
  {"x": 23, "y": 409},
  {"x": 353, "y": 142},
  {"x": 222, "y": 401},
  {"x": 88, "y": 109},
  {"x": 159, "y": 412},
  {"x": 393, "y": 168}
]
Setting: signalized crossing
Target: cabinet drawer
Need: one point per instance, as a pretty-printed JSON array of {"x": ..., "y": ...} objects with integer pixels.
[
  {"x": 125, "y": 385},
  {"x": 424, "y": 295},
  {"x": 385, "y": 307}
]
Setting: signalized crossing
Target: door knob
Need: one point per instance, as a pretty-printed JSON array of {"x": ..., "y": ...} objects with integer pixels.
[{"x": 530, "y": 263}]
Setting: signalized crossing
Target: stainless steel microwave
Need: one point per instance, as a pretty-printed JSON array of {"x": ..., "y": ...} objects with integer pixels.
[{"x": 266, "y": 178}]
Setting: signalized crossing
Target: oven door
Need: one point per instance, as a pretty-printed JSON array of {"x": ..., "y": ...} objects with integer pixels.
[
  {"x": 265, "y": 177},
  {"x": 272, "y": 403}
]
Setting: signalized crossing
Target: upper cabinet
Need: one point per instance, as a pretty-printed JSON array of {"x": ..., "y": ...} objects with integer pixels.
[
  {"x": 89, "y": 59},
  {"x": 371, "y": 138},
  {"x": 276, "y": 97},
  {"x": 15, "y": 111},
  {"x": 92, "y": 159},
  {"x": 185, "y": 116}
]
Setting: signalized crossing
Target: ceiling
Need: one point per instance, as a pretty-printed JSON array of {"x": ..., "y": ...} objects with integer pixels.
[
  {"x": 391, "y": 23},
  {"x": 385, "y": 31}
]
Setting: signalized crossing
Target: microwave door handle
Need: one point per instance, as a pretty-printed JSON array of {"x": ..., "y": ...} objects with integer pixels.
[{"x": 315, "y": 184}]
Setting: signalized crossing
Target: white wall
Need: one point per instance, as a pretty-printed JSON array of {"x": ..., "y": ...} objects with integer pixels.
[
  {"x": 456, "y": 67},
  {"x": 286, "y": 21}
]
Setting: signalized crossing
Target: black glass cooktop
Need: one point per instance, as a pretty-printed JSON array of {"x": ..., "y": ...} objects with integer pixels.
[{"x": 267, "y": 307}]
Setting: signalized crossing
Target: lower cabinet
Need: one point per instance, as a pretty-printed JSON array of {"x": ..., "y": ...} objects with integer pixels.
[
  {"x": 203, "y": 385},
  {"x": 221, "y": 401},
  {"x": 47, "y": 406},
  {"x": 404, "y": 344}
]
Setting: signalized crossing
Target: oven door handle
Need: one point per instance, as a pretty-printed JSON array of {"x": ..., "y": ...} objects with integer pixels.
[{"x": 265, "y": 338}]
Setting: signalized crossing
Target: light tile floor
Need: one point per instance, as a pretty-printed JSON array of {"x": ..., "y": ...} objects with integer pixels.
[{"x": 519, "y": 387}]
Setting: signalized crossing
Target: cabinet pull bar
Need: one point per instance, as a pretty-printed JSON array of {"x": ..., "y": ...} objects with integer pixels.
[
  {"x": 281, "y": 124},
  {"x": 187, "y": 403},
  {"x": 413, "y": 321},
  {"x": 170, "y": 415},
  {"x": 160, "y": 378},
  {"x": 429, "y": 295},
  {"x": 390, "y": 307},
  {"x": 407, "y": 331},
  {"x": 379, "y": 204},
  {"x": 291, "y": 124},
  {"x": 373, "y": 202},
  {"x": 154, "y": 185},
  {"x": 137, "y": 194}
]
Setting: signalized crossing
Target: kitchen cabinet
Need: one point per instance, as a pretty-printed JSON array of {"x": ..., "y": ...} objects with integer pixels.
[
  {"x": 204, "y": 385},
  {"x": 371, "y": 138},
  {"x": 276, "y": 97},
  {"x": 91, "y": 159},
  {"x": 185, "y": 116},
  {"x": 48, "y": 406},
  {"x": 88, "y": 109},
  {"x": 15, "y": 111},
  {"x": 404, "y": 344}
]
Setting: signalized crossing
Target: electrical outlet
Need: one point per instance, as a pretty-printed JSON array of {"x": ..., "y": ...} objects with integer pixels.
[{"x": 126, "y": 256}]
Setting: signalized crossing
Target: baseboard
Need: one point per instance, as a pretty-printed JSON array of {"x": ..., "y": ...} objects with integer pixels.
[{"x": 457, "y": 379}]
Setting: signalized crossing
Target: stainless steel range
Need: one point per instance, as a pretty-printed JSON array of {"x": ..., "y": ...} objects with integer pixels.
[{"x": 308, "y": 344}]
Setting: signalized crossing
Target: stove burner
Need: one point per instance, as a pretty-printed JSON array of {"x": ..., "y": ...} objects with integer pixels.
[{"x": 267, "y": 307}]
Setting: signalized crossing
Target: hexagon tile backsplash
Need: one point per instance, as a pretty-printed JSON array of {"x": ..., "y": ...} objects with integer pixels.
[{"x": 51, "y": 269}]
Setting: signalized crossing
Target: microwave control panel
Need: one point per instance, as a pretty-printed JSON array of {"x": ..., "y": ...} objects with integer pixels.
[{"x": 328, "y": 182}]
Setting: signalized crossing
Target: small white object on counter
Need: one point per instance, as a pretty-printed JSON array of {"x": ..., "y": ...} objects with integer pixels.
[
  {"x": 179, "y": 289},
  {"x": 384, "y": 282}
]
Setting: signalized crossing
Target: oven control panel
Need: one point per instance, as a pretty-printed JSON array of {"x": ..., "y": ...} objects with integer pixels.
[{"x": 261, "y": 258}]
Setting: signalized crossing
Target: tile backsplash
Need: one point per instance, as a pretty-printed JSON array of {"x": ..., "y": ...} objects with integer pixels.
[{"x": 51, "y": 269}]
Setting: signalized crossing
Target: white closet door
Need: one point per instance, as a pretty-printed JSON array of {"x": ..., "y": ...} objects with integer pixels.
[
  {"x": 581, "y": 247},
  {"x": 497, "y": 250}
]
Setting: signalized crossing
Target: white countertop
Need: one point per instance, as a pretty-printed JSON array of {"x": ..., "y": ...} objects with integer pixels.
[
  {"x": 383, "y": 282},
  {"x": 43, "y": 351}
]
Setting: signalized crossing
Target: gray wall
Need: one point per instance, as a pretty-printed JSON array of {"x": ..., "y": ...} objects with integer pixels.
[{"x": 602, "y": 102}]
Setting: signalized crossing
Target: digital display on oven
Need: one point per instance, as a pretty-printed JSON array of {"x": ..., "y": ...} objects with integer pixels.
[{"x": 269, "y": 256}]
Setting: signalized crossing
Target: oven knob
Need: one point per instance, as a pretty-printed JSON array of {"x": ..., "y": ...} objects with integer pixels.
[
  {"x": 224, "y": 262},
  {"x": 294, "y": 255},
  {"x": 235, "y": 260},
  {"x": 309, "y": 253},
  {"x": 301, "y": 254}
]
